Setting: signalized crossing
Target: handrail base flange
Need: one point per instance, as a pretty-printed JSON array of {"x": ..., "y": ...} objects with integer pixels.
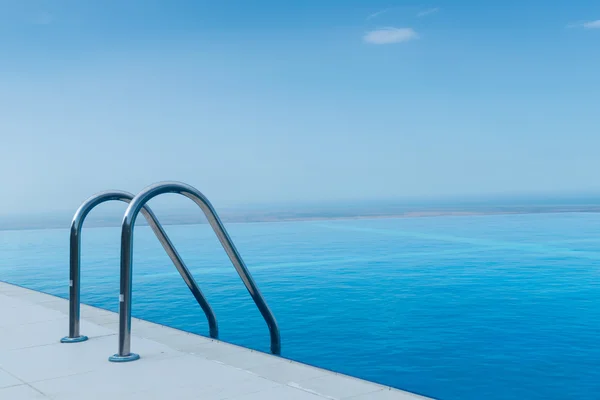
[
  {"x": 75, "y": 339},
  {"x": 119, "y": 359}
]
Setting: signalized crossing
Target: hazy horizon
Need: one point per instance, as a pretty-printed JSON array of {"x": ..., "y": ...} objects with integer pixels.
[
  {"x": 174, "y": 203},
  {"x": 178, "y": 210},
  {"x": 299, "y": 102}
]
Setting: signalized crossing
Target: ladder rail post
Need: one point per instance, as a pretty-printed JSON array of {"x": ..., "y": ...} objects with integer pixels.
[
  {"x": 244, "y": 273},
  {"x": 75, "y": 262},
  {"x": 124, "y": 342}
]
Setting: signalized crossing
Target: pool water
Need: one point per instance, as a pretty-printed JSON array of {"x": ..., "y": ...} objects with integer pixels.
[{"x": 479, "y": 307}]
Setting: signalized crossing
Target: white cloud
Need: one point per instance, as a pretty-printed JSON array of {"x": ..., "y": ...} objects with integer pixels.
[
  {"x": 586, "y": 25},
  {"x": 592, "y": 24},
  {"x": 390, "y": 35},
  {"x": 377, "y": 14},
  {"x": 429, "y": 11}
]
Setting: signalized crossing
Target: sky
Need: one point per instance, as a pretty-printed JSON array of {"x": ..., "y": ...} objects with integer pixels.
[{"x": 257, "y": 102}]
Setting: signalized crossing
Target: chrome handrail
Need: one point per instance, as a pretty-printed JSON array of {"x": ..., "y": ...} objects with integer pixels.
[
  {"x": 136, "y": 205},
  {"x": 75, "y": 262}
]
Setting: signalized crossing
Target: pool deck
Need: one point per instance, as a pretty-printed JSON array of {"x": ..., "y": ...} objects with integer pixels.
[{"x": 174, "y": 364}]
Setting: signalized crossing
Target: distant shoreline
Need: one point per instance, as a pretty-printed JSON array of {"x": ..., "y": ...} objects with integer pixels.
[
  {"x": 418, "y": 214},
  {"x": 64, "y": 223}
]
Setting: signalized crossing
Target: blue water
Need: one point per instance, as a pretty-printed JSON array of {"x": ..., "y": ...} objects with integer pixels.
[{"x": 485, "y": 307}]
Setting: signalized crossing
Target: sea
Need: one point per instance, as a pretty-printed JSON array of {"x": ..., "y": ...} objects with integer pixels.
[{"x": 453, "y": 307}]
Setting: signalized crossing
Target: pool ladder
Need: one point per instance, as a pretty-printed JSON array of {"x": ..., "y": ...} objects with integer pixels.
[{"x": 137, "y": 204}]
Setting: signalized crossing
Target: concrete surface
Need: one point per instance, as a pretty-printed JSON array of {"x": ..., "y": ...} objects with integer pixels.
[{"x": 174, "y": 364}]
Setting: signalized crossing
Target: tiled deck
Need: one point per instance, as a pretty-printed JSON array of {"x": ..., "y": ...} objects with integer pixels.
[{"x": 174, "y": 364}]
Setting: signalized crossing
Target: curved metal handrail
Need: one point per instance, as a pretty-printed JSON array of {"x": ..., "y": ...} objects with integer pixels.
[
  {"x": 75, "y": 262},
  {"x": 131, "y": 214}
]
